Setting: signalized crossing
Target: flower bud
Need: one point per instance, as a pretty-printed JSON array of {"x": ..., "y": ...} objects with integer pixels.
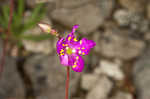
[{"x": 45, "y": 27}]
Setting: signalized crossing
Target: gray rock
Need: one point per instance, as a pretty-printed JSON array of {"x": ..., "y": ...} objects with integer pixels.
[
  {"x": 118, "y": 44},
  {"x": 11, "y": 84},
  {"x": 122, "y": 95},
  {"x": 135, "y": 20},
  {"x": 101, "y": 89},
  {"x": 139, "y": 23},
  {"x": 141, "y": 72},
  {"x": 88, "y": 17},
  {"x": 5, "y": 2},
  {"x": 148, "y": 10},
  {"x": 133, "y": 5},
  {"x": 44, "y": 46},
  {"x": 122, "y": 17},
  {"x": 110, "y": 69},
  {"x": 147, "y": 36},
  {"x": 48, "y": 77},
  {"x": 77, "y": 97},
  {"x": 88, "y": 81},
  {"x": 34, "y": 3},
  {"x": 143, "y": 26},
  {"x": 70, "y": 3},
  {"x": 105, "y": 7},
  {"x": 97, "y": 37}
]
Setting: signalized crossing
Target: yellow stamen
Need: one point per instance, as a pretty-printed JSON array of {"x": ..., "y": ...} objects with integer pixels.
[
  {"x": 75, "y": 39},
  {"x": 61, "y": 54},
  {"x": 77, "y": 57},
  {"x": 74, "y": 66},
  {"x": 83, "y": 53},
  {"x": 68, "y": 50},
  {"x": 69, "y": 38},
  {"x": 80, "y": 42},
  {"x": 64, "y": 44},
  {"x": 61, "y": 51},
  {"x": 83, "y": 48},
  {"x": 79, "y": 51},
  {"x": 73, "y": 51}
]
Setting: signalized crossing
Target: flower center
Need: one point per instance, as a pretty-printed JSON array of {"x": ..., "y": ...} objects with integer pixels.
[{"x": 68, "y": 50}]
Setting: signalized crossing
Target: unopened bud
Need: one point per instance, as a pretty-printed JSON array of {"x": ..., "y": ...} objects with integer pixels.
[{"x": 45, "y": 27}]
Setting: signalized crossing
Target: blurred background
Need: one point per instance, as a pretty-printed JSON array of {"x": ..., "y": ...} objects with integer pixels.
[{"x": 118, "y": 67}]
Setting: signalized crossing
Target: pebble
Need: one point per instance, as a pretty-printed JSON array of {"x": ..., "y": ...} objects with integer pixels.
[
  {"x": 118, "y": 44},
  {"x": 110, "y": 69},
  {"x": 88, "y": 17},
  {"x": 101, "y": 89},
  {"x": 88, "y": 81},
  {"x": 44, "y": 46}
]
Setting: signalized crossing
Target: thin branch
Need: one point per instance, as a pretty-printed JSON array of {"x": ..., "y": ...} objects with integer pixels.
[
  {"x": 67, "y": 82},
  {"x": 5, "y": 44},
  {"x": 10, "y": 16}
]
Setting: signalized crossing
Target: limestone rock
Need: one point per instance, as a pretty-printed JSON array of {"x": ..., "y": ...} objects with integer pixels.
[
  {"x": 33, "y": 3},
  {"x": 44, "y": 46},
  {"x": 133, "y": 5},
  {"x": 106, "y": 7},
  {"x": 97, "y": 37},
  {"x": 118, "y": 44},
  {"x": 122, "y": 95},
  {"x": 110, "y": 69},
  {"x": 88, "y": 81},
  {"x": 48, "y": 76},
  {"x": 11, "y": 83},
  {"x": 122, "y": 17},
  {"x": 88, "y": 17},
  {"x": 141, "y": 72},
  {"x": 71, "y": 3},
  {"x": 148, "y": 10},
  {"x": 101, "y": 89},
  {"x": 147, "y": 36}
]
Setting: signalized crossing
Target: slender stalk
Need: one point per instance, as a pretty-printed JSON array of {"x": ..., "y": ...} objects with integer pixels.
[
  {"x": 5, "y": 44},
  {"x": 3, "y": 57},
  {"x": 10, "y": 16},
  {"x": 67, "y": 82}
]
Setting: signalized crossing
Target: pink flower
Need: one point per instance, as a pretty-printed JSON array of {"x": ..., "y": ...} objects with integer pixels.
[{"x": 70, "y": 50}]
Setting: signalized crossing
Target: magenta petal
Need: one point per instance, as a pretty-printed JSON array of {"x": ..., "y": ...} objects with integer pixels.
[
  {"x": 70, "y": 39},
  {"x": 84, "y": 46},
  {"x": 74, "y": 28},
  {"x": 87, "y": 43},
  {"x": 59, "y": 45},
  {"x": 78, "y": 64},
  {"x": 66, "y": 60},
  {"x": 70, "y": 49}
]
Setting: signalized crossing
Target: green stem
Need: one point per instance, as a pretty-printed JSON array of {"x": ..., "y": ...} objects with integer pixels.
[
  {"x": 5, "y": 44},
  {"x": 67, "y": 82}
]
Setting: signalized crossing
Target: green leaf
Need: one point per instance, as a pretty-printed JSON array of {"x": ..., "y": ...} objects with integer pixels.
[
  {"x": 19, "y": 44},
  {"x": 20, "y": 8},
  {"x": 2, "y": 22},
  {"x": 5, "y": 14},
  {"x": 36, "y": 15},
  {"x": 17, "y": 18},
  {"x": 3, "y": 35},
  {"x": 36, "y": 37}
]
